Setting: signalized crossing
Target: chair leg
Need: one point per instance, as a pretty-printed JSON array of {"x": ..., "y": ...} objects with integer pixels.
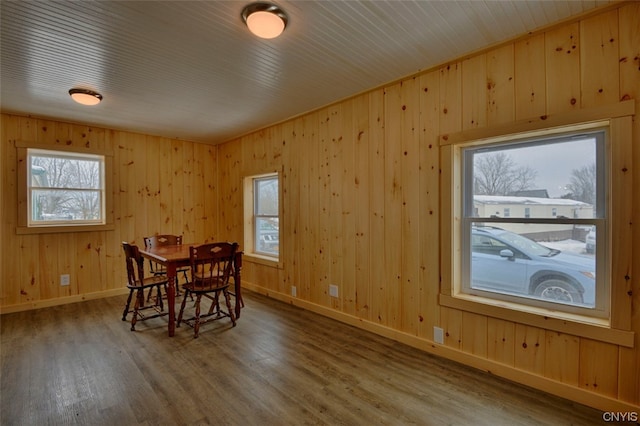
[
  {"x": 196, "y": 321},
  {"x": 214, "y": 305},
  {"x": 228, "y": 301},
  {"x": 159, "y": 297},
  {"x": 237, "y": 296},
  {"x": 136, "y": 307},
  {"x": 177, "y": 286},
  {"x": 182, "y": 306},
  {"x": 126, "y": 307},
  {"x": 216, "y": 302}
]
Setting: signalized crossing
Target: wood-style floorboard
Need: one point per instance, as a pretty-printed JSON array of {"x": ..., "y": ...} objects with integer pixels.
[{"x": 79, "y": 364}]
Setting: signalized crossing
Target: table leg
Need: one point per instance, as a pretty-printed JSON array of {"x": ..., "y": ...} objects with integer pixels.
[{"x": 171, "y": 297}]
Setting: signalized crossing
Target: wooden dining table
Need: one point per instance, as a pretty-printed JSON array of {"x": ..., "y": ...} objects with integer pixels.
[{"x": 173, "y": 257}]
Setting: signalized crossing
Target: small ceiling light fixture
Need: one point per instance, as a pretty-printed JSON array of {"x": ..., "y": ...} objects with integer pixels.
[
  {"x": 265, "y": 20},
  {"x": 85, "y": 97}
]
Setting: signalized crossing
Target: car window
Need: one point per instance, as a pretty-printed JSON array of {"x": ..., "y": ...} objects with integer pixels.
[
  {"x": 487, "y": 245},
  {"x": 525, "y": 244}
]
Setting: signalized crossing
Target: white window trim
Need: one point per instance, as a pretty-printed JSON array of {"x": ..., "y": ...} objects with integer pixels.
[
  {"x": 249, "y": 224},
  {"x": 23, "y": 191},
  {"x": 31, "y": 152},
  {"x": 618, "y": 329}
]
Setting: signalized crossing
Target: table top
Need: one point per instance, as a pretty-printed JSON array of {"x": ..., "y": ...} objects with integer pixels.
[{"x": 171, "y": 253}]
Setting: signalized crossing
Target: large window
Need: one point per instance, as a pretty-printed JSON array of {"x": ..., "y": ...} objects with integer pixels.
[
  {"x": 560, "y": 260},
  {"x": 262, "y": 233},
  {"x": 65, "y": 188},
  {"x": 527, "y": 208}
]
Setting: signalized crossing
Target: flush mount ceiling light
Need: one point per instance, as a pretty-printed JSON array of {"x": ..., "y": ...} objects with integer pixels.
[
  {"x": 85, "y": 97},
  {"x": 265, "y": 20}
]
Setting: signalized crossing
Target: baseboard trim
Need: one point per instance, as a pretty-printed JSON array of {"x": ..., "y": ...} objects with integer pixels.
[
  {"x": 39, "y": 304},
  {"x": 563, "y": 390}
]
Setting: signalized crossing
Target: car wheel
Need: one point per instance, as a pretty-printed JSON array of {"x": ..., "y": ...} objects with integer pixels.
[{"x": 558, "y": 290}]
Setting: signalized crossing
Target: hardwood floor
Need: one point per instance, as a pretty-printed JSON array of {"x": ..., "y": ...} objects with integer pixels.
[{"x": 80, "y": 364}]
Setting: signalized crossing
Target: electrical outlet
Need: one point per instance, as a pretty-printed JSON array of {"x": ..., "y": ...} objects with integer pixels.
[
  {"x": 333, "y": 290},
  {"x": 64, "y": 279},
  {"x": 438, "y": 335},
  {"x": 294, "y": 291}
]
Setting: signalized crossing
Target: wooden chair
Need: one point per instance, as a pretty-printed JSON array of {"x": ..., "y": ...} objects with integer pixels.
[
  {"x": 137, "y": 283},
  {"x": 155, "y": 268},
  {"x": 211, "y": 269}
]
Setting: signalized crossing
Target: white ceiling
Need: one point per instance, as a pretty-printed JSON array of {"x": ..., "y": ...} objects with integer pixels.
[{"x": 191, "y": 69}]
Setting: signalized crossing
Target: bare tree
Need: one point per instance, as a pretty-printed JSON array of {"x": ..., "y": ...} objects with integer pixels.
[
  {"x": 498, "y": 174},
  {"x": 583, "y": 184},
  {"x": 68, "y": 187}
]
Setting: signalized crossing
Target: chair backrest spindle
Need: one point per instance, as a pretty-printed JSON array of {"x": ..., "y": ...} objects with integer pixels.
[{"x": 135, "y": 263}]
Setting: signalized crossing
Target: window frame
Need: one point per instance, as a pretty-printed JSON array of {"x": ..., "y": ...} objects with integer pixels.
[
  {"x": 31, "y": 189},
  {"x": 599, "y": 219},
  {"x": 619, "y": 119},
  {"x": 24, "y": 190},
  {"x": 250, "y": 216}
]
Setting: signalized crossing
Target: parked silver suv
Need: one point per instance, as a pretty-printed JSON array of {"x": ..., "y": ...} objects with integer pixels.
[{"x": 506, "y": 262}]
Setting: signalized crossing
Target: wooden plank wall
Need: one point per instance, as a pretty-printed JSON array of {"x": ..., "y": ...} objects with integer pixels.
[
  {"x": 361, "y": 202},
  {"x": 159, "y": 186},
  {"x": 361, "y": 196}
]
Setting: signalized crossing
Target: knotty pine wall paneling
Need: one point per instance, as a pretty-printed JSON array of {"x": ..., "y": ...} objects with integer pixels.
[
  {"x": 428, "y": 208},
  {"x": 159, "y": 185},
  {"x": 557, "y": 365},
  {"x": 347, "y": 185},
  {"x": 391, "y": 252},
  {"x": 361, "y": 135},
  {"x": 562, "y": 70},
  {"x": 500, "y": 85},
  {"x": 377, "y": 219},
  {"x": 629, "y": 63},
  {"x": 529, "y": 77},
  {"x": 410, "y": 215},
  {"x": 190, "y": 195},
  {"x": 500, "y": 341},
  {"x": 326, "y": 205},
  {"x": 363, "y": 208},
  {"x": 297, "y": 144}
]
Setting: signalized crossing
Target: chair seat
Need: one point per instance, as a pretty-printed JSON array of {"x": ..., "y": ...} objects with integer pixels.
[
  {"x": 196, "y": 287},
  {"x": 148, "y": 282},
  {"x": 159, "y": 269}
]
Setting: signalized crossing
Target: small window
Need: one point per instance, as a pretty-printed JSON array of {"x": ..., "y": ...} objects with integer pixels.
[
  {"x": 538, "y": 259},
  {"x": 262, "y": 236},
  {"x": 65, "y": 188}
]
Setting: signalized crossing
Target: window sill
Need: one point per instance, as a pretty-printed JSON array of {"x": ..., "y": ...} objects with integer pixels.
[
  {"x": 24, "y": 230},
  {"x": 592, "y": 328},
  {"x": 262, "y": 260}
]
